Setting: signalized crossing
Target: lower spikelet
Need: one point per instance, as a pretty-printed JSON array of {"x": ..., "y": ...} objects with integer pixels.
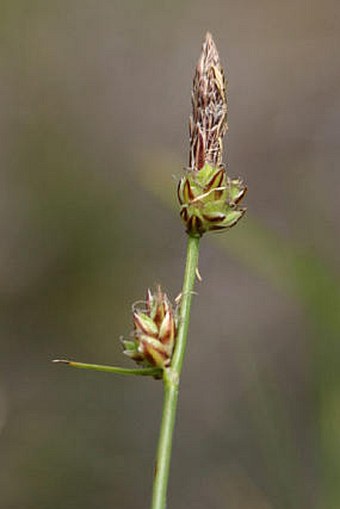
[{"x": 154, "y": 333}]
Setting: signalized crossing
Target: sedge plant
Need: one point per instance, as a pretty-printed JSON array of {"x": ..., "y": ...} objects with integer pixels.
[{"x": 209, "y": 201}]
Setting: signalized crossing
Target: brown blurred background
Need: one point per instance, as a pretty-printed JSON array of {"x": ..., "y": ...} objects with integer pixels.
[{"x": 94, "y": 100}]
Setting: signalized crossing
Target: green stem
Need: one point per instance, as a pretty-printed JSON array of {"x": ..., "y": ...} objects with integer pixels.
[
  {"x": 171, "y": 380},
  {"x": 111, "y": 369}
]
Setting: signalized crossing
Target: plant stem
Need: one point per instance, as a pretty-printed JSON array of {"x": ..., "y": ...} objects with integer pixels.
[
  {"x": 111, "y": 369},
  {"x": 171, "y": 379}
]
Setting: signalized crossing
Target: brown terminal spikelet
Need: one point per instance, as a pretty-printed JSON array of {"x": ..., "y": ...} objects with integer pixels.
[
  {"x": 208, "y": 197},
  {"x": 154, "y": 333},
  {"x": 208, "y": 123}
]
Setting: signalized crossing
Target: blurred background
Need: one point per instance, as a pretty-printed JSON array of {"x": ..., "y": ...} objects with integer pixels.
[{"x": 94, "y": 101}]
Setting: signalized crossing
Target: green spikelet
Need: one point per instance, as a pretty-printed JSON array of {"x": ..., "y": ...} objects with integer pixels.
[
  {"x": 154, "y": 333},
  {"x": 209, "y": 199}
]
